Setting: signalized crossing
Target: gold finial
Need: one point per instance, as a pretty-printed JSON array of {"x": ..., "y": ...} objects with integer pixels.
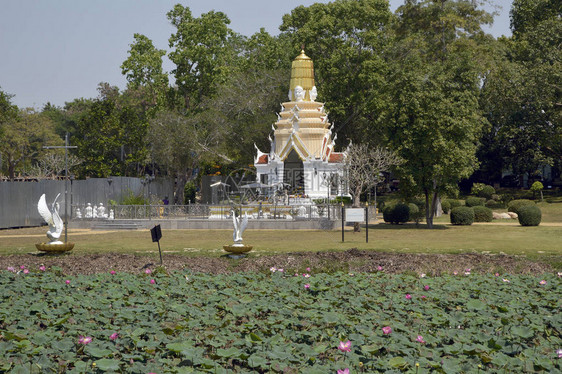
[{"x": 302, "y": 73}]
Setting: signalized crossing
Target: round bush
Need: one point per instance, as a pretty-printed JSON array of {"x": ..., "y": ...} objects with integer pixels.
[
  {"x": 396, "y": 214},
  {"x": 416, "y": 214},
  {"x": 494, "y": 204},
  {"x": 529, "y": 215},
  {"x": 446, "y": 206},
  {"x": 454, "y": 203},
  {"x": 462, "y": 215},
  {"x": 487, "y": 192},
  {"x": 515, "y": 205},
  {"x": 475, "y": 201},
  {"x": 482, "y": 214}
]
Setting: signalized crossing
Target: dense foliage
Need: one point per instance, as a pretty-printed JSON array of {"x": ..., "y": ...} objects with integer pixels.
[
  {"x": 482, "y": 214},
  {"x": 529, "y": 215},
  {"x": 462, "y": 215},
  {"x": 397, "y": 214},
  {"x": 475, "y": 201},
  {"x": 515, "y": 205},
  {"x": 277, "y": 322}
]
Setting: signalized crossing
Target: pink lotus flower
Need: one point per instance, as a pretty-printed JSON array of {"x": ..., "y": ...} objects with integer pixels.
[
  {"x": 307, "y": 269},
  {"x": 307, "y": 286},
  {"x": 148, "y": 271},
  {"x": 345, "y": 346},
  {"x": 543, "y": 282},
  {"x": 497, "y": 274},
  {"x": 25, "y": 271},
  {"x": 306, "y": 275},
  {"x": 420, "y": 339},
  {"x": 11, "y": 268},
  {"x": 152, "y": 281},
  {"x": 455, "y": 272},
  {"x": 422, "y": 275},
  {"x": 379, "y": 268},
  {"x": 408, "y": 296},
  {"x": 273, "y": 269},
  {"x": 386, "y": 330},
  {"x": 85, "y": 339},
  {"x": 559, "y": 353},
  {"x": 280, "y": 270},
  {"x": 426, "y": 288},
  {"x": 67, "y": 281},
  {"x": 22, "y": 267},
  {"x": 423, "y": 296},
  {"x": 42, "y": 268},
  {"x": 467, "y": 273},
  {"x": 113, "y": 336},
  {"x": 344, "y": 371},
  {"x": 112, "y": 272}
]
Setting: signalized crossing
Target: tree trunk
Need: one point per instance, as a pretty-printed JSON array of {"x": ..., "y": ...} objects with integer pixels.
[
  {"x": 181, "y": 180},
  {"x": 428, "y": 211}
]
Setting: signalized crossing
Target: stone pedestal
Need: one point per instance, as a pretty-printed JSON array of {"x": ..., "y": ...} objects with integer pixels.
[{"x": 54, "y": 248}]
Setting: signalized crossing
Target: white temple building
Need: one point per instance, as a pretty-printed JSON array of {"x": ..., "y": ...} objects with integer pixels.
[{"x": 302, "y": 156}]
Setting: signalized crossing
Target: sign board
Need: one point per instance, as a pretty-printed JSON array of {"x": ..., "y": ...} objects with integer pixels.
[
  {"x": 355, "y": 215},
  {"x": 156, "y": 232}
]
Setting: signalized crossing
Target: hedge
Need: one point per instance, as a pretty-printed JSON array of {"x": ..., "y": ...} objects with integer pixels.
[
  {"x": 529, "y": 215},
  {"x": 462, "y": 215},
  {"x": 475, "y": 201},
  {"x": 396, "y": 214},
  {"x": 515, "y": 205},
  {"x": 482, "y": 214}
]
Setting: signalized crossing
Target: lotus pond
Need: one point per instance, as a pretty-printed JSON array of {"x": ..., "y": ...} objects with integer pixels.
[{"x": 276, "y": 322}]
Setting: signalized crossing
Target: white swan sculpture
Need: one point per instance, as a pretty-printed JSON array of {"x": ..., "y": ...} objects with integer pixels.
[
  {"x": 239, "y": 227},
  {"x": 52, "y": 218}
]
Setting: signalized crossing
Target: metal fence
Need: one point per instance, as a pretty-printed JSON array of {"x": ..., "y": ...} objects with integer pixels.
[
  {"x": 218, "y": 212},
  {"x": 18, "y": 200}
]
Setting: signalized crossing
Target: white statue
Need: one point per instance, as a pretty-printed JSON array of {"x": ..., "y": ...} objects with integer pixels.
[
  {"x": 95, "y": 211},
  {"x": 89, "y": 211},
  {"x": 299, "y": 93},
  {"x": 101, "y": 211},
  {"x": 52, "y": 218},
  {"x": 78, "y": 213},
  {"x": 313, "y": 94},
  {"x": 239, "y": 227},
  {"x": 111, "y": 214}
]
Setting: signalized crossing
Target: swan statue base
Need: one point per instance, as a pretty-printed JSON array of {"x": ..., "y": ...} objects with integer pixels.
[{"x": 55, "y": 247}]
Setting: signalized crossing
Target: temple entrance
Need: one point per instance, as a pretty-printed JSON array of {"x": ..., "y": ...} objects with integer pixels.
[{"x": 294, "y": 173}]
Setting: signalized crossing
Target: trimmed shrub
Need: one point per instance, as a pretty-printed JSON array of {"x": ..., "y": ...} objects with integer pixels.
[
  {"x": 515, "y": 205},
  {"x": 475, "y": 201},
  {"x": 482, "y": 214},
  {"x": 462, "y": 215},
  {"x": 446, "y": 206},
  {"x": 494, "y": 204},
  {"x": 487, "y": 192},
  {"x": 529, "y": 215},
  {"x": 396, "y": 214},
  {"x": 454, "y": 203},
  {"x": 338, "y": 200},
  {"x": 416, "y": 214}
]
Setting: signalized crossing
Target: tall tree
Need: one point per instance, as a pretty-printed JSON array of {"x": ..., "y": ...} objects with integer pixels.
[
  {"x": 144, "y": 73},
  {"x": 23, "y": 139},
  {"x": 200, "y": 52},
  {"x": 346, "y": 40},
  {"x": 433, "y": 119}
]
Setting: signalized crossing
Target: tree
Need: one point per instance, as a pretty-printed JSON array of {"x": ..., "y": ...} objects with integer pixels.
[
  {"x": 201, "y": 53},
  {"x": 362, "y": 167},
  {"x": 346, "y": 39},
  {"x": 180, "y": 143},
  {"x": 433, "y": 119},
  {"x": 23, "y": 139},
  {"x": 143, "y": 70}
]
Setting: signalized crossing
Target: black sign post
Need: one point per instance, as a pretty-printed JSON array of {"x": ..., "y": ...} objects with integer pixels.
[
  {"x": 156, "y": 232},
  {"x": 367, "y": 222},
  {"x": 342, "y": 221}
]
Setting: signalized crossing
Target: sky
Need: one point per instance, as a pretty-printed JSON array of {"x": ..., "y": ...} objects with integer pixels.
[{"x": 60, "y": 50}]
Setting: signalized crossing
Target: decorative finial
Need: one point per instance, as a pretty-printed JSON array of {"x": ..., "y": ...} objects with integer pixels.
[{"x": 302, "y": 48}]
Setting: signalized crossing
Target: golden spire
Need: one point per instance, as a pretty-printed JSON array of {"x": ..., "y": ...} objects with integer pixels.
[{"x": 302, "y": 73}]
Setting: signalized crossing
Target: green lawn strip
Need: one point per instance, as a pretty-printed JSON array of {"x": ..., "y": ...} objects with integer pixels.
[
  {"x": 270, "y": 322},
  {"x": 494, "y": 238}
]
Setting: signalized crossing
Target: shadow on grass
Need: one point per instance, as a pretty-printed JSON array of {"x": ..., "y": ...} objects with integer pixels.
[{"x": 407, "y": 226}]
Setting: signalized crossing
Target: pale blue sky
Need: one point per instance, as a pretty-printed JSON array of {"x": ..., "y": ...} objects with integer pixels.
[{"x": 58, "y": 50}]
